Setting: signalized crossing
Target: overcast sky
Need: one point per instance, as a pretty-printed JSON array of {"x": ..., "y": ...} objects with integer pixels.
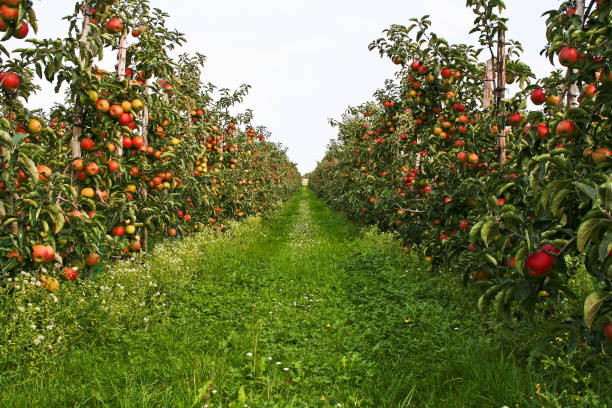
[{"x": 307, "y": 61}]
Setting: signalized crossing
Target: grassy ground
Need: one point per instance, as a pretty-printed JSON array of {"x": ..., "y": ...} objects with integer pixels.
[{"x": 300, "y": 310}]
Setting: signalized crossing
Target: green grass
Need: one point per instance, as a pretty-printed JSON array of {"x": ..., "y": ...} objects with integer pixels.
[{"x": 331, "y": 315}]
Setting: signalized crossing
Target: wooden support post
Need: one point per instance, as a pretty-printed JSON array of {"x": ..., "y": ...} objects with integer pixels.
[
  {"x": 499, "y": 94},
  {"x": 488, "y": 85},
  {"x": 572, "y": 94},
  {"x": 121, "y": 61},
  {"x": 121, "y": 57},
  {"x": 77, "y": 119}
]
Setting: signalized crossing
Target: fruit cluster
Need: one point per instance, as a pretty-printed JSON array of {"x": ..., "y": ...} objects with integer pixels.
[
  {"x": 498, "y": 193},
  {"x": 125, "y": 162}
]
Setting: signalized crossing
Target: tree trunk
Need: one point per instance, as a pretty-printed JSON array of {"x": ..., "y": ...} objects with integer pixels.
[{"x": 500, "y": 93}]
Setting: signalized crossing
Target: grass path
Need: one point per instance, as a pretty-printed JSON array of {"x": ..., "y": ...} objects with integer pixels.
[{"x": 300, "y": 310}]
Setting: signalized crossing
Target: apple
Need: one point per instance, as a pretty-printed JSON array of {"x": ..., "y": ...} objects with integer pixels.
[
  {"x": 118, "y": 231},
  {"x": 566, "y": 128},
  {"x": 568, "y": 56},
  {"x": 115, "y": 111},
  {"x": 539, "y": 264},
  {"x": 515, "y": 119},
  {"x": 78, "y": 165},
  {"x": 125, "y": 119},
  {"x": 43, "y": 172},
  {"x": 542, "y": 130},
  {"x": 446, "y": 73},
  {"x": 22, "y": 32},
  {"x": 608, "y": 331},
  {"x": 114, "y": 26},
  {"x": 102, "y": 105},
  {"x": 9, "y": 13},
  {"x": 70, "y": 273},
  {"x": 92, "y": 169},
  {"x": 538, "y": 96},
  {"x": 9, "y": 81},
  {"x": 601, "y": 154},
  {"x": 92, "y": 259},
  {"x": 39, "y": 253},
  {"x": 87, "y": 144},
  {"x": 113, "y": 166}
]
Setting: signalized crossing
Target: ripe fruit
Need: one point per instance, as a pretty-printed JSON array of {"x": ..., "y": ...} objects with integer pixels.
[
  {"x": 34, "y": 126},
  {"x": 542, "y": 130},
  {"x": 589, "y": 91},
  {"x": 115, "y": 111},
  {"x": 78, "y": 165},
  {"x": 566, "y": 128},
  {"x": 479, "y": 275},
  {"x": 127, "y": 142},
  {"x": 49, "y": 283},
  {"x": 118, "y": 231},
  {"x": 568, "y": 56},
  {"x": 43, "y": 172},
  {"x": 538, "y": 96},
  {"x": 137, "y": 142},
  {"x": 87, "y": 192},
  {"x": 125, "y": 119},
  {"x": 463, "y": 225},
  {"x": 539, "y": 264},
  {"x": 114, "y": 26},
  {"x": 22, "y": 32},
  {"x": 608, "y": 331},
  {"x": 70, "y": 273},
  {"x": 9, "y": 13},
  {"x": 137, "y": 104},
  {"x": 91, "y": 169},
  {"x": 515, "y": 119},
  {"x": 601, "y": 154},
  {"x": 135, "y": 246},
  {"x": 113, "y": 166},
  {"x": 446, "y": 73},
  {"x": 92, "y": 259},
  {"x": 130, "y": 229},
  {"x": 553, "y": 100},
  {"x": 462, "y": 157},
  {"x": 87, "y": 144},
  {"x": 9, "y": 81},
  {"x": 102, "y": 105},
  {"x": 39, "y": 253},
  {"x": 473, "y": 158}
]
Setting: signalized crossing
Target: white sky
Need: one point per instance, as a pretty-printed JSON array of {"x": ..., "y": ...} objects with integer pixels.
[{"x": 306, "y": 60}]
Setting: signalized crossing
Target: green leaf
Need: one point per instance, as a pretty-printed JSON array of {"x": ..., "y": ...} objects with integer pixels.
[
  {"x": 486, "y": 229},
  {"x": 475, "y": 231},
  {"x": 588, "y": 190},
  {"x": 520, "y": 258},
  {"x": 585, "y": 230},
  {"x": 591, "y": 306},
  {"x": 241, "y": 395}
]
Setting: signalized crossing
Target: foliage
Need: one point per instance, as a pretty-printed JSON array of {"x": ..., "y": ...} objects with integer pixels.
[
  {"x": 142, "y": 153},
  {"x": 426, "y": 160}
]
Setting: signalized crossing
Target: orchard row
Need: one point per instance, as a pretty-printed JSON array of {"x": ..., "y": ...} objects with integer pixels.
[
  {"x": 134, "y": 155},
  {"x": 501, "y": 194}
]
